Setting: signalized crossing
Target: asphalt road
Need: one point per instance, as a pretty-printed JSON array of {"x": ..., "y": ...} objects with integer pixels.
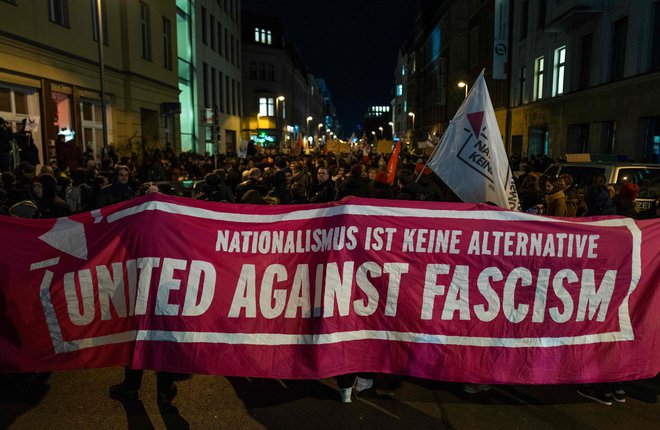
[{"x": 79, "y": 400}]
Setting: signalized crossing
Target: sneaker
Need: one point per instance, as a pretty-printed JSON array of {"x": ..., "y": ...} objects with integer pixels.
[
  {"x": 619, "y": 396},
  {"x": 596, "y": 396},
  {"x": 476, "y": 388},
  {"x": 164, "y": 398},
  {"x": 121, "y": 393},
  {"x": 345, "y": 394},
  {"x": 362, "y": 384}
]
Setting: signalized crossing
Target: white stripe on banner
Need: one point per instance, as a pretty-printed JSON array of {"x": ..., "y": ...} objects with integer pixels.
[
  {"x": 352, "y": 209},
  {"x": 274, "y": 339}
]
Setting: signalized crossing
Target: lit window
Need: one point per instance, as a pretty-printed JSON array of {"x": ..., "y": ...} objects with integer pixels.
[
  {"x": 403, "y": 70},
  {"x": 559, "y": 68},
  {"x": 538, "y": 78},
  {"x": 269, "y": 37},
  {"x": 266, "y": 106},
  {"x": 256, "y": 34}
]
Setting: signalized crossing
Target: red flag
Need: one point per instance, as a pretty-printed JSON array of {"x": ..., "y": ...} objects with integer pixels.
[{"x": 391, "y": 165}]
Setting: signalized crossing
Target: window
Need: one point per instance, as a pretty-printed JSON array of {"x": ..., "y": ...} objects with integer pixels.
[
  {"x": 145, "y": 31},
  {"x": 167, "y": 44},
  {"x": 585, "y": 60},
  {"x": 538, "y": 78},
  {"x": 240, "y": 99},
  {"x": 206, "y": 85},
  {"x": 92, "y": 125},
  {"x": 271, "y": 72},
  {"x": 619, "y": 35},
  {"x": 523, "y": 84},
  {"x": 262, "y": 71},
  {"x": 226, "y": 43},
  {"x": 214, "y": 93},
  {"x": 95, "y": 26},
  {"x": 524, "y": 18},
  {"x": 253, "y": 69},
  {"x": 473, "y": 49},
  {"x": 204, "y": 26},
  {"x": 264, "y": 36},
  {"x": 231, "y": 44},
  {"x": 211, "y": 30},
  {"x": 403, "y": 70},
  {"x": 399, "y": 90},
  {"x": 655, "y": 53},
  {"x": 234, "y": 106},
  {"x": 266, "y": 106},
  {"x": 219, "y": 38},
  {"x": 221, "y": 100},
  {"x": 541, "y": 17},
  {"x": 227, "y": 94},
  {"x": 58, "y": 12},
  {"x": 13, "y": 101},
  {"x": 558, "y": 73}
]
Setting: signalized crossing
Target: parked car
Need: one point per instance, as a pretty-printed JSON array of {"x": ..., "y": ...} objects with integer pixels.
[{"x": 646, "y": 176}]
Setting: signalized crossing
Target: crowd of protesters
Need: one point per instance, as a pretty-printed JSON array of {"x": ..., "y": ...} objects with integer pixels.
[{"x": 76, "y": 182}]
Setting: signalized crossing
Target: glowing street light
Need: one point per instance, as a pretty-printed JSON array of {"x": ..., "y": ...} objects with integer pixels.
[
  {"x": 392, "y": 125},
  {"x": 412, "y": 114},
  {"x": 463, "y": 85},
  {"x": 381, "y": 131},
  {"x": 277, "y": 117},
  {"x": 309, "y": 118}
]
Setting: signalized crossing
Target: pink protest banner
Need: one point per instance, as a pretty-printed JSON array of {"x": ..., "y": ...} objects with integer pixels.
[{"x": 455, "y": 292}]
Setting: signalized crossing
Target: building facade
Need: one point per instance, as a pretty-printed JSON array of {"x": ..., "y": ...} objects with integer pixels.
[
  {"x": 209, "y": 66},
  {"x": 579, "y": 76},
  {"x": 282, "y": 100},
  {"x": 586, "y": 78},
  {"x": 50, "y": 74}
]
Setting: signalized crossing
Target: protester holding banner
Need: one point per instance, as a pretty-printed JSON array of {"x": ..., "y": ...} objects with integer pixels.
[
  {"x": 118, "y": 190},
  {"x": 324, "y": 191},
  {"x": 353, "y": 185}
]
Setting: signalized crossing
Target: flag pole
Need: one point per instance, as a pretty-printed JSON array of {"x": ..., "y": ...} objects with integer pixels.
[{"x": 437, "y": 145}]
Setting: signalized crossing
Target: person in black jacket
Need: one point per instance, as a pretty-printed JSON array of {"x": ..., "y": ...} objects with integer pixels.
[{"x": 324, "y": 191}]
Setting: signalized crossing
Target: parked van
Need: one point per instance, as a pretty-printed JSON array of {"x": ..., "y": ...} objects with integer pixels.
[{"x": 646, "y": 176}]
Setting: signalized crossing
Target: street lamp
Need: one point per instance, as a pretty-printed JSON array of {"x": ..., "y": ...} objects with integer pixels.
[
  {"x": 392, "y": 125},
  {"x": 413, "y": 120},
  {"x": 309, "y": 118},
  {"x": 463, "y": 85},
  {"x": 277, "y": 118},
  {"x": 381, "y": 131}
]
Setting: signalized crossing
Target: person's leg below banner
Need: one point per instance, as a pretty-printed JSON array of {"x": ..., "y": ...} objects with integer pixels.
[{"x": 129, "y": 387}]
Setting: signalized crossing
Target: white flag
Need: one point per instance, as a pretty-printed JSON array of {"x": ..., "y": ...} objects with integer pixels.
[{"x": 471, "y": 159}]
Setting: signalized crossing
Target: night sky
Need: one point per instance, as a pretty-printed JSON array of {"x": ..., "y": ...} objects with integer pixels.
[{"x": 352, "y": 44}]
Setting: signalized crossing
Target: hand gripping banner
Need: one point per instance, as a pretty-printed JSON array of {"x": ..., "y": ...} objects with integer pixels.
[{"x": 445, "y": 291}]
